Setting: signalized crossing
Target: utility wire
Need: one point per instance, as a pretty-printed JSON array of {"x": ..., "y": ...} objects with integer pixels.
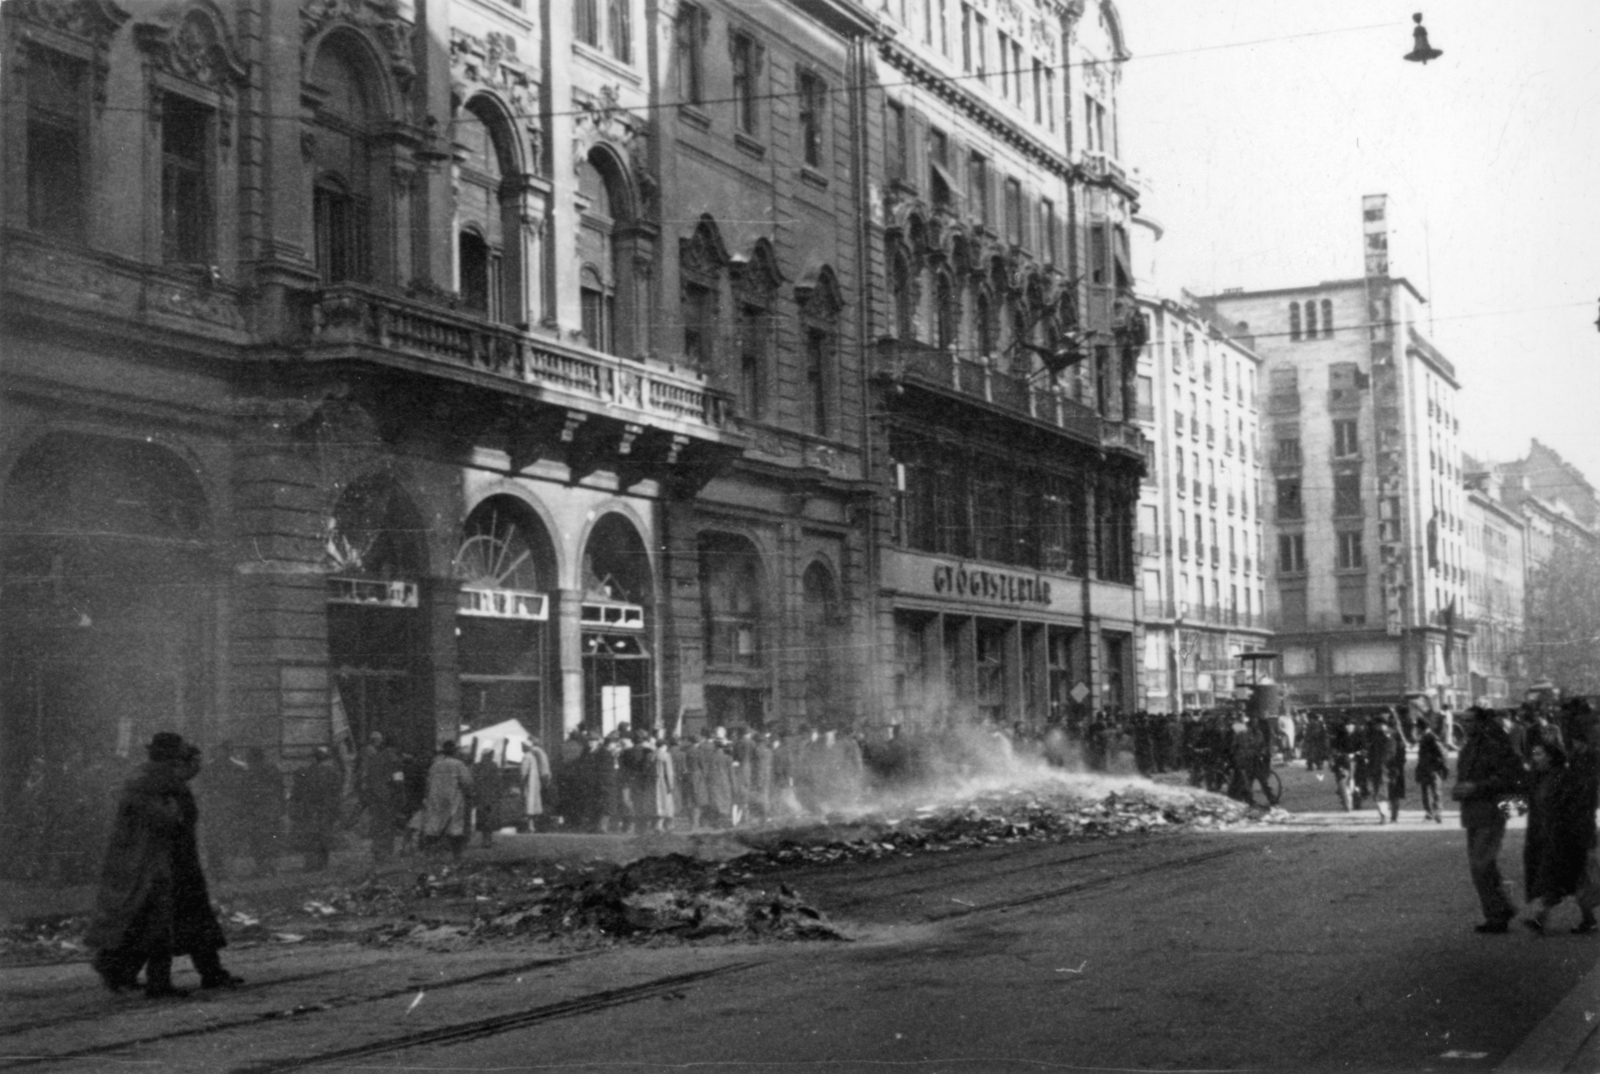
[{"x": 967, "y": 76}]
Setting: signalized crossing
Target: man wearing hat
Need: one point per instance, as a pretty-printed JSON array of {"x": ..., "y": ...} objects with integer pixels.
[
  {"x": 153, "y": 903},
  {"x": 1487, "y": 770}
]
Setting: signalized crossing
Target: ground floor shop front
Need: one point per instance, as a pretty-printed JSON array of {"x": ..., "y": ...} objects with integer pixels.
[{"x": 993, "y": 646}]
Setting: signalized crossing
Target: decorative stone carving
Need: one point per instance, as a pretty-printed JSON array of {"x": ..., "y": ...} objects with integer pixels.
[
  {"x": 756, "y": 278},
  {"x": 378, "y": 19},
  {"x": 602, "y": 117},
  {"x": 87, "y": 22},
  {"x": 490, "y": 63},
  {"x": 209, "y": 306},
  {"x": 194, "y": 47}
]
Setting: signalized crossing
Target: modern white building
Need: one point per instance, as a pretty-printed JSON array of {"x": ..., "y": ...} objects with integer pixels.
[{"x": 1367, "y": 565}]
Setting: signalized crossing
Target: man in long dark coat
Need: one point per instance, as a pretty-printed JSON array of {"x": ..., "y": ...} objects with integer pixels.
[
  {"x": 153, "y": 903},
  {"x": 1487, "y": 769}
]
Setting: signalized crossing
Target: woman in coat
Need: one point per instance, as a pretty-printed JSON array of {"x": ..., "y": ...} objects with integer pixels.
[
  {"x": 535, "y": 775},
  {"x": 153, "y": 903},
  {"x": 1561, "y": 829},
  {"x": 661, "y": 788}
]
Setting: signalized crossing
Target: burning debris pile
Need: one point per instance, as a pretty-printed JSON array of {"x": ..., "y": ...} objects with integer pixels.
[
  {"x": 1040, "y": 812},
  {"x": 674, "y": 897}
]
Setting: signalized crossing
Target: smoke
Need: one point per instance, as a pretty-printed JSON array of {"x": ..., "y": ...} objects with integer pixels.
[{"x": 934, "y": 770}]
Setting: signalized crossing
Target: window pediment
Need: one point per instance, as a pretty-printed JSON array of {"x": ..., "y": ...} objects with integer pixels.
[{"x": 756, "y": 278}]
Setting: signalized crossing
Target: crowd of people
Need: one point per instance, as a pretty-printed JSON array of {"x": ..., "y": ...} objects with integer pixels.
[{"x": 153, "y": 905}]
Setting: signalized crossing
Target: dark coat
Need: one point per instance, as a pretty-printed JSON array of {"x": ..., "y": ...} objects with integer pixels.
[
  {"x": 1561, "y": 829},
  {"x": 153, "y": 898},
  {"x": 315, "y": 801},
  {"x": 719, "y": 780},
  {"x": 1431, "y": 762},
  {"x": 1491, "y": 764}
]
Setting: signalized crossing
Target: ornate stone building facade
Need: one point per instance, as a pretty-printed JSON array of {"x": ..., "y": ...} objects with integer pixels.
[
  {"x": 408, "y": 366},
  {"x": 1004, "y": 383}
]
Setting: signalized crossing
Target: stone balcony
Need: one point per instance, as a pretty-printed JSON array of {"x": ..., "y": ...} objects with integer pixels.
[
  {"x": 543, "y": 397},
  {"x": 350, "y": 319},
  {"x": 1011, "y": 394}
]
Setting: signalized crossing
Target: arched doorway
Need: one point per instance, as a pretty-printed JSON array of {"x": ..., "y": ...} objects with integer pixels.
[
  {"x": 616, "y": 621},
  {"x": 106, "y": 629},
  {"x": 377, "y": 630},
  {"x": 821, "y": 625},
  {"x": 506, "y": 565},
  {"x": 732, "y": 597}
]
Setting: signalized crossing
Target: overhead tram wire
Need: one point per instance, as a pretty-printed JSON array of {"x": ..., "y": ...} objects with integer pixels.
[{"x": 985, "y": 76}]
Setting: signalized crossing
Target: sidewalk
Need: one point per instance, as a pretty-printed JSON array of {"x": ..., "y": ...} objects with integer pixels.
[
  {"x": 1568, "y": 1040},
  {"x": 20, "y": 902}
]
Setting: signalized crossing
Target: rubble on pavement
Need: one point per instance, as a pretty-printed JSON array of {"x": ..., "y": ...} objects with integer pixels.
[{"x": 676, "y": 897}]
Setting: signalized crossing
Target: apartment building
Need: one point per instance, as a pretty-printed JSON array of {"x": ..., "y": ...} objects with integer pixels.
[{"x": 1365, "y": 506}]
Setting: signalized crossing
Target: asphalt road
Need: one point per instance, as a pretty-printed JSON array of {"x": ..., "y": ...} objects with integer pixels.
[{"x": 1336, "y": 944}]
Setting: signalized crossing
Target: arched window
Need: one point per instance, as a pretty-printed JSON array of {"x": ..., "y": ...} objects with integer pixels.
[
  {"x": 755, "y": 300},
  {"x": 1294, "y": 321},
  {"x": 478, "y": 275},
  {"x": 598, "y": 304},
  {"x": 1327, "y": 318},
  {"x": 1311, "y": 320},
  {"x": 490, "y": 214},
  {"x": 339, "y": 220},
  {"x": 904, "y": 297},
  {"x": 702, "y": 259},
  {"x": 348, "y": 207},
  {"x": 821, "y": 305},
  {"x": 982, "y": 332},
  {"x": 606, "y": 246},
  {"x": 946, "y": 313}
]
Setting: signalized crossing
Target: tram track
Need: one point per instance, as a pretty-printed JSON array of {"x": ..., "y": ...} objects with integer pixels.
[
  {"x": 482, "y": 1028},
  {"x": 259, "y": 1017},
  {"x": 1087, "y": 884}
]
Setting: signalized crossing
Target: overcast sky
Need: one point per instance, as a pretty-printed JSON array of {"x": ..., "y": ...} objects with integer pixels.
[{"x": 1259, "y": 125}]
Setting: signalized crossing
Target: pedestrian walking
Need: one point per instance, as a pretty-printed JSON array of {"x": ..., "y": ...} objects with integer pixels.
[
  {"x": 449, "y": 799},
  {"x": 1582, "y": 730},
  {"x": 1432, "y": 769},
  {"x": 1561, "y": 832},
  {"x": 314, "y": 806},
  {"x": 152, "y": 904},
  {"x": 1386, "y": 760},
  {"x": 536, "y": 782},
  {"x": 1487, "y": 770}
]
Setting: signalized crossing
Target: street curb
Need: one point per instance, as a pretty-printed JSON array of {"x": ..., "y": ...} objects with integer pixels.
[{"x": 1567, "y": 1040}]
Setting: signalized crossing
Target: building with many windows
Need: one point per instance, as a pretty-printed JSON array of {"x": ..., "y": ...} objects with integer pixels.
[
  {"x": 377, "y": 366},
  {"x": 1202, "y": 578},
  {"x": 1366, "y": 509},
  {"x": 1003, "y": 390},
  {"x": 404, "y": 366},
  {"x": 1497, "y": 564}
]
